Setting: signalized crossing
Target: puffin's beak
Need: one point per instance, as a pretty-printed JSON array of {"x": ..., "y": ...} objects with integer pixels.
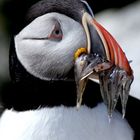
[{"x": 102, "y": 61}]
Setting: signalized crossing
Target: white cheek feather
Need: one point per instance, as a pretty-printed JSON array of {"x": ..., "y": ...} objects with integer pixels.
[
  {"x": 62, "y": 123},
  {"x": 48, "y": 58}
]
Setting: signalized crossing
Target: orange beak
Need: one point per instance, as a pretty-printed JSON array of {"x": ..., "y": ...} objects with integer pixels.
[
  {"x": 104, "y": 62},
  {"x": 107, "y": 45},
  {"x": 113, "y": 50}
]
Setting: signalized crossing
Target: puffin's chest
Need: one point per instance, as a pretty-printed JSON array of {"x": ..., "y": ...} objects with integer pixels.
[{"x": 61, "y": 123}]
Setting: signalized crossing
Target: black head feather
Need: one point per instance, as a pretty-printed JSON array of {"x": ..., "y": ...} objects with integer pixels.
[{"x": 21, "y": 12}]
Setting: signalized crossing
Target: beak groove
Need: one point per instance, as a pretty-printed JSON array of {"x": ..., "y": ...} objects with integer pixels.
[
  {"x": 113, "y": 50},
  {"x": 105, "y": 61}
]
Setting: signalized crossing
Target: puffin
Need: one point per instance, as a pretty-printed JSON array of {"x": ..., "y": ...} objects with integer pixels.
[{"x": 70, "y": 79}]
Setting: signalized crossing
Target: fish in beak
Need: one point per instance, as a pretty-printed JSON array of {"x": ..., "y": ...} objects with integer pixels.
[{"x": 103, "y": 61}]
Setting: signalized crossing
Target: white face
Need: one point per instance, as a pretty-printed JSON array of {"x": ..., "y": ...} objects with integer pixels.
[{"x": 47, "y": 45}]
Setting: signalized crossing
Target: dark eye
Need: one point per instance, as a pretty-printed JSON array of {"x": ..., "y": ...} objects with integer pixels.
[{"x": 56, "y": 34}]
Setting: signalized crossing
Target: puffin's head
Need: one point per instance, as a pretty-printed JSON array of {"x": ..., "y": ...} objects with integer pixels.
[
  {"x": 53, "y": 32},
  {"x": 45, "y": 47}
]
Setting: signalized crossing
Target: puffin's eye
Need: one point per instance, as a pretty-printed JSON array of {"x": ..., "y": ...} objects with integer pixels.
[{"x": 56, "y": 34}]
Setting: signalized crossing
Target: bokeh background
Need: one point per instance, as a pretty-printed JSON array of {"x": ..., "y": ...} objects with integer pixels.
[{"x": 121, "y": 18}]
